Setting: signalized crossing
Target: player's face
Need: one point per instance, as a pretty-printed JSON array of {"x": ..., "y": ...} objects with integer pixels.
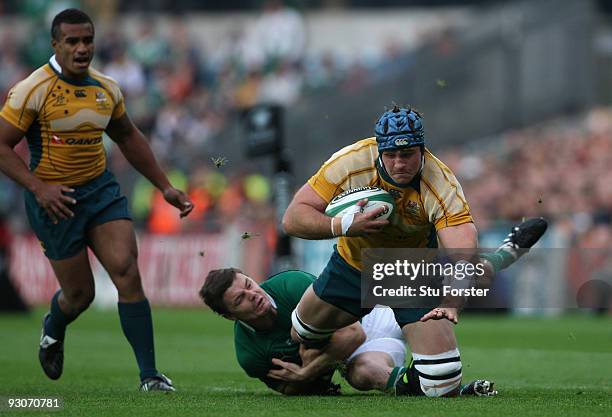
[
  {"x": 403, "y": 164},
  {"x": 245, "y": 300},
  {"x": 75, "y": 48}
]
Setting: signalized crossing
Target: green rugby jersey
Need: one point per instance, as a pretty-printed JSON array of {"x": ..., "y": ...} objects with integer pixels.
[{"x": 255, "y": 350}]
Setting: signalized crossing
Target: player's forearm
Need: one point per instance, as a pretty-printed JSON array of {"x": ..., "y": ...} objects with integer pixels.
[
  {"x": 14, "y": 167},
  {"x": 461, "y": 245},
  {"x": 341, "y": 345},
  {"x": 306, "y": 222},
  {"x": 322, "y": 364},
  {"x": 139, "y": 154}
]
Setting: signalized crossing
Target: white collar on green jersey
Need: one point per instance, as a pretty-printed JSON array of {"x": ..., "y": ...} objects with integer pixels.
[
  {"x": 273, "y": 305},
  {"x": 271, "y": 299}
]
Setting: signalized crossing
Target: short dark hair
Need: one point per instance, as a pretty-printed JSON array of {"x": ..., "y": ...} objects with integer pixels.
[
  {"x": 216, "y": 283},
  {"x": 71, "y": 16}
]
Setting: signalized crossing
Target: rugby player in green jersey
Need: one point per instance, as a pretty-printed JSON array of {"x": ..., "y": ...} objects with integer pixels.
[{"x": 372, "y": 351}]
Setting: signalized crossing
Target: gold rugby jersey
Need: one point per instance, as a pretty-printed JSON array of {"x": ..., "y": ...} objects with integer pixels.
[
  {"x": 64, "y": 120},
  {"x": 434, "y": 200}
]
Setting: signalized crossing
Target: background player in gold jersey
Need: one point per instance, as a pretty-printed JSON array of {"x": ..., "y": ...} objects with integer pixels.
[
  {"x": 72, "y": 201},
  {"x": 430, "y": 208}
]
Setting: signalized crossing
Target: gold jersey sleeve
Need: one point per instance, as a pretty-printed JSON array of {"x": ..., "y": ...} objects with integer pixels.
[
  {"x": 26, "y": 98},
  {"x": 64, "y": 121},
  {"x": 442, "y": 195},
  {"x": 432, "y": 202}
]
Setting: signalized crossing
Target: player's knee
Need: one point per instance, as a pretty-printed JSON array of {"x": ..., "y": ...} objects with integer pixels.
[
  {"x": 127, "y": 278},
  {"x": 309, "y": 336},
  {"x": 126, "y": 267},
  {"x": 130, "y": 290},
  {"x": 437, "y": 375},
  {"x": 355, "y": 338},
  {"x": 78, "y": 299}
]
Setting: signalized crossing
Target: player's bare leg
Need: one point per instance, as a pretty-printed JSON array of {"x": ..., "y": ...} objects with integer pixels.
[
  {"x": 431, "y": 337},
  {"x": 76, "y": 294},
  {"x": 76, "y": 282},
  {"x": 322, "y": 314},
  {"x": 114, "y": 244}
]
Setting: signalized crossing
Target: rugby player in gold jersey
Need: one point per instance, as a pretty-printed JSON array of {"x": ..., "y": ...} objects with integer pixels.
[
  {"x": 72, "y": 201},
  {"x": 430, "y": 210}
]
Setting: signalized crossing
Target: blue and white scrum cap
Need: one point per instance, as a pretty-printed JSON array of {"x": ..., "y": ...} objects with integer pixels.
[{"x": 399, "y": 128}]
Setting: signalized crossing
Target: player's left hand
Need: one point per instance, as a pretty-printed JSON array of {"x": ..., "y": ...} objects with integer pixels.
[
  {"x": 439, "y": 313},
  {"x": 178, "y": 199},
  {"x": 289, "y": 372}
]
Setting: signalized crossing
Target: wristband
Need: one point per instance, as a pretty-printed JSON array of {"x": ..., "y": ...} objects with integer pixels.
[
  {"x": 332, "y": 227},
  {"x": 347, "y": 221}
]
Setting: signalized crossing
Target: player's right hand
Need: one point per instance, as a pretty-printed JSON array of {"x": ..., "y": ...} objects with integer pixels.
[
  {"x": 366, "y": 223},
  {"x": 449, "y": 313},
  {"x": 53, "y": 199},
  {"x": 289, "y": 372},
  {"x": 178, "y": 199}
]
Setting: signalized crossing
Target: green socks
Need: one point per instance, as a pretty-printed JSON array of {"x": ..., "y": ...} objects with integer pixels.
[
  {"x": 395, "y": 375},
  {"x": 499, "y": 259}
]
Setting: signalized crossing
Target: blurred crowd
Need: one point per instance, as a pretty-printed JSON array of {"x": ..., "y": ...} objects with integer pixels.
[{"x": 561, "y": 170}]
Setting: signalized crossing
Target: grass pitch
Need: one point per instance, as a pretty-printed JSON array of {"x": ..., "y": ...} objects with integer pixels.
[{"x": 542, "y": 367}]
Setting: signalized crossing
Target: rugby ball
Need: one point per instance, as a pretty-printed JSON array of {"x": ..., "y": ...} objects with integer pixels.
[{"x": 346, "y": 202}]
